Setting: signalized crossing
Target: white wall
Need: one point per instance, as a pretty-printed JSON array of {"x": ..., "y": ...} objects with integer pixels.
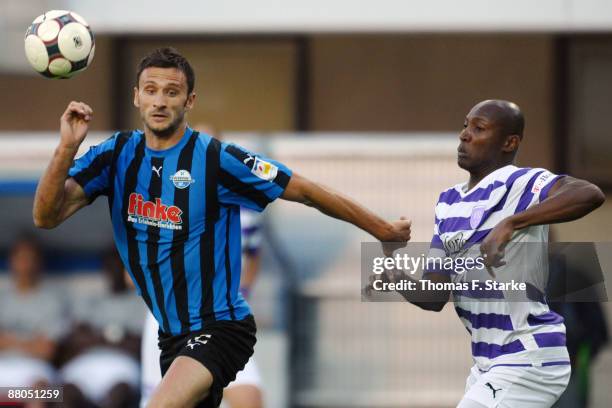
[
  {"x": 291, "y": 16},
  {"x": 345, "y": 15}
]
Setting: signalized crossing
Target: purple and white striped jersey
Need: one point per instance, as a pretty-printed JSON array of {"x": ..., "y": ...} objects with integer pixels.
[
  {"x": 506, "y": 329},
  {"x": 250, "y": 223}
]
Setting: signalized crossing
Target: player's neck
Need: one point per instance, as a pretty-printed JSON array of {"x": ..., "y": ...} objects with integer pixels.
[
  {"x": 156, "y": 142},
  {"x": 477, "y": 175}
]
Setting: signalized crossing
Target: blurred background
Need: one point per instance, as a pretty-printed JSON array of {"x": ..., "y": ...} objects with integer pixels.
[{"x": 366, "y": 97}]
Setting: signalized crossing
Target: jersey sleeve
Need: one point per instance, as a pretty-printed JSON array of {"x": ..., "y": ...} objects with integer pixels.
[
  {"x": 249, "y": 180},
  {"x": 92, "y": 170},
  {"x": 543, "y": 183},
  {"x": 534, "y": 187}
]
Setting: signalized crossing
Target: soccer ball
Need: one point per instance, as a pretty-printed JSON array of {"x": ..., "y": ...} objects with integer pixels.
[{"x": 59, "y": 44}]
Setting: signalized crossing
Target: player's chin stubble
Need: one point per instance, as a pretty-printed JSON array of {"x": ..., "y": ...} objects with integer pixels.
[{"x": 169, "y": 130}]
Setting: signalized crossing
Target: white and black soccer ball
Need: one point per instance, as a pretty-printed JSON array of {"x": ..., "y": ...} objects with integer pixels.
[{"x": 59, "y": 44}]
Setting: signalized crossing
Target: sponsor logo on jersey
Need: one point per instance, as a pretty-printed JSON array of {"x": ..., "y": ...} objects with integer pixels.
[
  {"x": 264, "y": 170},
  {"x": 153, "y": 213},
  {"x": 540, "y": 182},
  {"x": 454, "y": 244},
  {"x": 182, "y": 179}
]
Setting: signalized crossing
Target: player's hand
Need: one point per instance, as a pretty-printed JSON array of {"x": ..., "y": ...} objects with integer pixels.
[
  {"x": 74, "y": 124},
  {"x": 397, "y": 237},
  {"x": 492, "y": 248},
  {"x": 386, "y": 277}
]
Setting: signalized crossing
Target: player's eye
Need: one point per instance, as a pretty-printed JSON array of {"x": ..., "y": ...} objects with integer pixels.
[
  {"x": 465, "y": 125},
  {"x": 149, "y": 91},
  {"x": 172, "y": 92}
]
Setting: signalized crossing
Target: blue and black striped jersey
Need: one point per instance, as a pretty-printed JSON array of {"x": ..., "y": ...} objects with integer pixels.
[{"x": 176, "y": 219}]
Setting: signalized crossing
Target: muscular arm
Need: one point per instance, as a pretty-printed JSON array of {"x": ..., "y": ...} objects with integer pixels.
[
  {"x": 57, "y": 196},
  {"x": 432, "y": 300},
  {"x": 343, "y": 208},
  {"x": 568, "y": 200}
]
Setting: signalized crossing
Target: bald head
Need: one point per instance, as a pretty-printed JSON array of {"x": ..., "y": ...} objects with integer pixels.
[
  {"x": 492, "y": 133},
  {"x": 506, "y": 115}
]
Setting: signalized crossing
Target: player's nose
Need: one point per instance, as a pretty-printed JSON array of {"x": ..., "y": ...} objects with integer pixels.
[{"x": 159, "y": 101}]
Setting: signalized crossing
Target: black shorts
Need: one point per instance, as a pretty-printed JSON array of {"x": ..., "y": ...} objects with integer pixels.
[{"x": 223, "y": 347}]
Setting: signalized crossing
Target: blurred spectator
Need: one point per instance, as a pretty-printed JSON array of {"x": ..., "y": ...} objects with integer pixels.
[
  {"x": 32, "y": 319},
  {"x": 101, "y": 354}
]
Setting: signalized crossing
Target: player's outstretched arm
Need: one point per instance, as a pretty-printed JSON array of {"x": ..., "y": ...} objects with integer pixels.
[
  {"x": 420, "y": 294},
  {"x": 569, "y": 199},
  {"x": 58, "y": 197},
  {"x": 341, "y": 207}
]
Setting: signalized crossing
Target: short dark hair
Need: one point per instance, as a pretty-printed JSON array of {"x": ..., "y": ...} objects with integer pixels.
[{"x": 167, "y": 57}]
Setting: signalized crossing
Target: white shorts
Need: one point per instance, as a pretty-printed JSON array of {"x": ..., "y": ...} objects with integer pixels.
[
  {"x": 511, "y": 387},
  {"x": 18, "y": 370},
  {"x": 98, "y": 370}
]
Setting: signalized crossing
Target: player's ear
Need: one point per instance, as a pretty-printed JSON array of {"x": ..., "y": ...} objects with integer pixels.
[
  {"x": 190, "y": 101},
  {"x": 512, "y": 143},
  {"x": 136, "y": 102}
]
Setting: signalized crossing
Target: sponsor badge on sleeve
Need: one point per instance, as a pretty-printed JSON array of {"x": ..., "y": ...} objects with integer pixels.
[{"x": 264, "y": 170}]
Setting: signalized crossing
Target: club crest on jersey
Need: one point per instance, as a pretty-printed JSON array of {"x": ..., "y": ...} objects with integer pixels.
[
  {"x": 264, "y": 170},
  {"x": 153, "y": 213},
  {"x": 182, "y": 179},
  {"x": 476, "y": 217}
]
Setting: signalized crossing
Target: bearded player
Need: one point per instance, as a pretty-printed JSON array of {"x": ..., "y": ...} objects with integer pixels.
[
  {"x": 502, "y": 213},
  {"x": 174, "y": 196}
]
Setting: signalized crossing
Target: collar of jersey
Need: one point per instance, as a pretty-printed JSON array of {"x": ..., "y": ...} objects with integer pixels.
[
  {"x": 170, "y": 150},
  {"x": 488, "y": 179}
]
